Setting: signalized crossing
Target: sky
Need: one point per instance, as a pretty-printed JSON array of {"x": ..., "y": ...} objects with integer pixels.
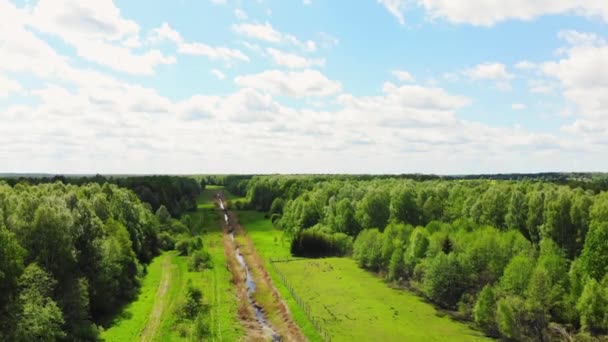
[{"x": 303, "y": 86}]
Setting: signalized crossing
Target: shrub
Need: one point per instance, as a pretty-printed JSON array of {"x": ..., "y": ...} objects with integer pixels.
[
  {"x": 166, "y": 241},
  {"x": 312, "y": 243},
  {"x": 182, "y": 246},
  {"x": 200, "y": 260}
]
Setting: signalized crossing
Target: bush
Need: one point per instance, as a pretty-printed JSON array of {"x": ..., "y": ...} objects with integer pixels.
[
  {"x": 166, "y": 241},
  {"x": 192, "y": 305},
  {"x": 201, "y": 329},
  {"x": 182, "y": 247},
  {"x": 316, "y": 244},
  {"x": 200, "y": 260}
]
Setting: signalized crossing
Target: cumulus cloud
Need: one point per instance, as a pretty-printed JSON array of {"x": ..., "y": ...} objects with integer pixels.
[
  {"x": 291, "y": 60},
  {"x": 267, "y": 33},
  {"x": 496, "y": 72},
  {"x": 490, "y": 12},
  {"x": 8, "y": 86},
  {"x": 165, "y": 32},
  {"x": 403, "y": 76},
  {"x": 296, "y": 84},
  {"x": 98, "y": 32}
]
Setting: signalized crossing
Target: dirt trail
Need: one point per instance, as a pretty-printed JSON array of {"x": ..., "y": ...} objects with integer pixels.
[
  {"x": 275, "y": 310},
  {"x": 149, "y": 331}
]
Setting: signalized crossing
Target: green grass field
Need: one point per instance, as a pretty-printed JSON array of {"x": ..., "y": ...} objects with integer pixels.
[
  {"x": 134, "y": 322},
  {"x": 350, "y": 303}
]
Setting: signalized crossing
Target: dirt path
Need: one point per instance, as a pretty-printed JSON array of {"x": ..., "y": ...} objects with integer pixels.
[
  {"x": 149, "y": 331},
  {"x": 279, "y": 313}
]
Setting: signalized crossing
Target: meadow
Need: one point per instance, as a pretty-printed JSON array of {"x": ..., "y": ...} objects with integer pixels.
[
  {"x": 350, "y": 303},
  {"x": 151, "y": 317}
]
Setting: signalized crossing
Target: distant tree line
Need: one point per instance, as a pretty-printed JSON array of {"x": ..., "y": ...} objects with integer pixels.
[
  {"x": 178, "y": 194},
  {"x": 525, "y": 259}
]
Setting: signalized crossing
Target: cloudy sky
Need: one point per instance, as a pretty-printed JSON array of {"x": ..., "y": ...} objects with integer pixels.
[{"x": 303, "y": 86}]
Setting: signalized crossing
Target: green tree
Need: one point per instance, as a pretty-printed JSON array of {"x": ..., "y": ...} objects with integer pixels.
[
  {"x": 396, "y": 267},
  {"x": 373, "y": 210},
  {"x": 484, "y": 312},
  {"x": 403, "y": 205},
  {"x": 39, "y": 317},
  {"x": 445, "y": 280},
  {"x": 593, "y": 307}
]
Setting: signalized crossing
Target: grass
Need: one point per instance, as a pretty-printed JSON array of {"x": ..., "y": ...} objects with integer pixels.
[
  {"x": 128, "y": 325},
  {"x": 350, "y": 303},
  {"x": 215, "y": 284}
]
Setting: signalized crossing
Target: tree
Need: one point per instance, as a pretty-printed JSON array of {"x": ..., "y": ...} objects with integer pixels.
[
  {"x": 517, "y": 274},
  {"x": 594, "y": 258},
  {"x": 373, "y": 210},
  {"x": 536, "y": 205},
  {"x": 484, "y": 312},
  {"x": 396, "y": 267},
  {"x": 593, "y": 307},
  {"x": 39, "y": 317},
  {"x": 403, "y": 205},
  {"x": 416, "y": 249},
  {"x": 345, "y": 218},
  {"x": 516, "y": 213},
  {"x": 509, "y": 315},
  {"x": 445, "y": 280},
  {"x": 11, "y": 266}
]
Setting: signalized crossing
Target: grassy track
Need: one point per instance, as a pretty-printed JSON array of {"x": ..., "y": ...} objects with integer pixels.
[
  {"x": 151, "y": 317},
  {"x": 351, "y": 304}
]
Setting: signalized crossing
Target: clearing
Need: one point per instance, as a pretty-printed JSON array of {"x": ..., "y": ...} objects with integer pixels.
[{"x": 349, "y": 303}]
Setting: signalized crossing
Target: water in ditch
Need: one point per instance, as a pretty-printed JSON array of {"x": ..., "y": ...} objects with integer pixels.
[{"x": 250, "y": 284}]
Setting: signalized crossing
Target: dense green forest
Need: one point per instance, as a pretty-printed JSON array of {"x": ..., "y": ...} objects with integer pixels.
[
  {"x": 525, "y": 260},
  {"x": 177, "y": 194},
  {"x": 72, "y": 255}
]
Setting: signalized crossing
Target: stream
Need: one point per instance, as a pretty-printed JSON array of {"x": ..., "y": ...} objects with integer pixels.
[{"x": 249, "y": 282}]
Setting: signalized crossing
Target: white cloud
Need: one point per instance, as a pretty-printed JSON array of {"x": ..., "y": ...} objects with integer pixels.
[
  {"x": 490, "y": 12},
  {"x": 294, "y": 83},
  {"x": 307, "y": 2},
  {"x": 525, "y": 65},
  {"x": 8, "y": 86},
  {"x": 583, "y": 74},
  {"x": 403, "y": 76},
  {"x": 518, "y": 106},
  {"x": 291, "y": 60},
  {"x": 266, "y": 32},
  {"x": 98, "y": 32},
  {"x": 396, "y": 8},
  {"x": 496, "y": 72},
  {"x": 165, "y": 32},
  {"x": 218, "y": 74},
  {"x": 574, "y": 37},
  {"x": 489, "y": 71}
]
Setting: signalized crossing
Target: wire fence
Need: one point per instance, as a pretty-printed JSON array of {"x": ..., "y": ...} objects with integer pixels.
[{"x": 326, "y": 337}]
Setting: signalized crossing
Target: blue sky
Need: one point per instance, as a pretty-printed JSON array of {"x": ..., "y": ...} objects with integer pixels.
[{"x": 370, "y": 86}]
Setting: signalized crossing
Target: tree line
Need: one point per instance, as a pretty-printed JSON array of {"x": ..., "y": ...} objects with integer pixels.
[
  {"x": 178, "y": 194},
  {"x": 525, "y": 260}
]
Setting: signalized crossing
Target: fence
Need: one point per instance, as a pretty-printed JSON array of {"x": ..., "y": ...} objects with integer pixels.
[{"x": 326, "y": 337}]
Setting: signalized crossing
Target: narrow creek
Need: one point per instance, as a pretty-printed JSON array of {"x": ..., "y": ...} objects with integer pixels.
[{"x": 249, "y": 282}]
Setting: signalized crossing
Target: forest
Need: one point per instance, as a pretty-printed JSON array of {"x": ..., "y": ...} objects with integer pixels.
[
  {"x": 72, "y": 255},
  {"x": 524, "y": 260}
]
